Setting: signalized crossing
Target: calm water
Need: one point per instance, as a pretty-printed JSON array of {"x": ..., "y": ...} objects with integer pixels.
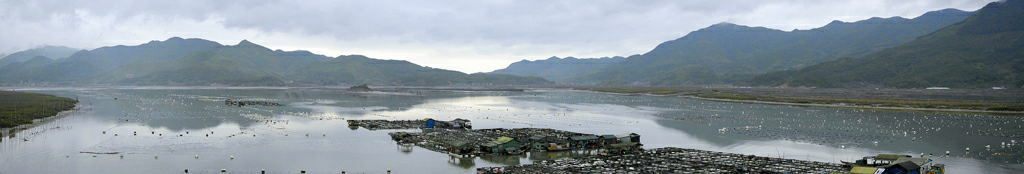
[{"x": 172, "y": 126}]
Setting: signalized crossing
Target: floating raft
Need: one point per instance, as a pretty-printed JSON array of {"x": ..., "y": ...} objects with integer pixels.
[
  {"x": 240, "y": 103},
  {"x": 410, "y": 124},
  {"x": 671, "y": 160}
]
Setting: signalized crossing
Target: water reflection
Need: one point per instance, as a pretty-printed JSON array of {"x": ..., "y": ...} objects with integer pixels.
[{"x": 164, "y": 129}]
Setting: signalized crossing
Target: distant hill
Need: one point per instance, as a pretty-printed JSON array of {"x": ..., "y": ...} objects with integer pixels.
[
  {"x": 727, "y": 53},
  {"x": 558, "y": 69},
  {"x": 178, "y": 61},
  {"x": 985, "y": 50},
  {"x": 51, "y": 52}
]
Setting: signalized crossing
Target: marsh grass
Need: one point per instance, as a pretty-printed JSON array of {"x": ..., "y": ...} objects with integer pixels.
[{"x": 17, "y": 108}]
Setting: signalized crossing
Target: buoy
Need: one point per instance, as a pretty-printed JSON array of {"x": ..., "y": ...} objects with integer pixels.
[
  {"x": 262, "y": 171},
  {"x": 186, "y": 170},
  {"x": 223, "y": 170}
]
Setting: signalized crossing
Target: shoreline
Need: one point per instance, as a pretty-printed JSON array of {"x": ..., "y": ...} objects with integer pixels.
[
  {"x": 36, "y": 122},
  {"x": 830, "y": 105},
  {"x": 851, "y": 106}
]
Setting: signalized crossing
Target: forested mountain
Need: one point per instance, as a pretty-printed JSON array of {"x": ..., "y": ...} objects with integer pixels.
[
  {"x": 178, "y": 61},
  {"x": 558, "y": 69},
  {"x": 725, "y": 53},
  {"x": 985, "y": 50}
]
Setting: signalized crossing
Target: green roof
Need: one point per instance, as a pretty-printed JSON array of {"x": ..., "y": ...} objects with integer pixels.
[
  {"x": 890, "y": 157},
  {"x": 498, "y": 141}
]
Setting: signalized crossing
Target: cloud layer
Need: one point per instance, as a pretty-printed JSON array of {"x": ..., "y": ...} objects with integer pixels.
[{"x": 469, "y": 36}]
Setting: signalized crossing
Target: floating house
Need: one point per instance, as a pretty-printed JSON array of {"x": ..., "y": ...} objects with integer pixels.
[
  {"x": 461, "y": 149},
  {"x": 584, "y": 141},
  {"x": 503, "y": 145},
  {"x": 608, "y": 139},
  {"x": 630, "y": 137},
  {"x": 548, "y": 143},
  {"x": 895, "y": 164}
]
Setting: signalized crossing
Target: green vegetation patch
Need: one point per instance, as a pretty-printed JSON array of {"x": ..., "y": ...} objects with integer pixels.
[{"x": 17, "y": 108}]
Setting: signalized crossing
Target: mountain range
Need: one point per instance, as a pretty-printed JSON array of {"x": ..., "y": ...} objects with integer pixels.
[
  {"x": 178, "y": 61},
  {"x": 728, "y": 53},
  {"x": 558, "y": 69},
  {"x": 947, "y": 47},
  {"x": 985, "y": 50},
  {"x": 50, "y": 52}
]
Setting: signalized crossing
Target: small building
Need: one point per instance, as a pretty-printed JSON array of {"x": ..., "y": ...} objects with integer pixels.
[
  {"x": 461, "y": 148},
  {"x": 584, "y": 141},
  {"x": 501, "y": 145},
  {"x": 547, "y": 143},
  {"x": 430, "y": 123},
  {"x": 630, "y": 137},
  {"x": 459, "y": 123},
  {"x": 894, "y": 163},
  {"x": 608, "y": 140}
]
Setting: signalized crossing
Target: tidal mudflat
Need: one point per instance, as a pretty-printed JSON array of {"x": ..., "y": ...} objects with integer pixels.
[{"x": 168, "y": 130}]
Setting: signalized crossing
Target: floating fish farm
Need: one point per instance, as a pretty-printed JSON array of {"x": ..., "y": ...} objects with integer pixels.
[
  {"x": 671, "y": 160},
  {"x": 461, "y": 142},
  {"x": 410, "y": 124},
  {"x": 240, "y": 103}
]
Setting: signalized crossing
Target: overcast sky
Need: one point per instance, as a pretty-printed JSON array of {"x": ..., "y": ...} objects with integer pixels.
[{"x": 464, "y": 35}]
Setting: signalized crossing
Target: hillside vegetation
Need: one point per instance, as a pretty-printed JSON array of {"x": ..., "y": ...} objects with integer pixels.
[{"x": 985, "y": 50}]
